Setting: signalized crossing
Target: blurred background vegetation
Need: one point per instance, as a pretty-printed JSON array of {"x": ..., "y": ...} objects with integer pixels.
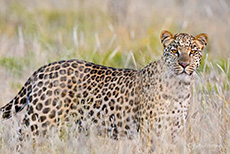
[
  {"x": 109, "y": 32},
  {"x": 117, "y": 33}
]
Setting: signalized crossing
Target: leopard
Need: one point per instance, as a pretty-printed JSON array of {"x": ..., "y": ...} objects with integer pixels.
[{"x": 118, "y": 102}]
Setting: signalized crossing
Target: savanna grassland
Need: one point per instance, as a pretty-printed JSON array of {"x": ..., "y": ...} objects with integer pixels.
[{"x": 118, "y": 34}]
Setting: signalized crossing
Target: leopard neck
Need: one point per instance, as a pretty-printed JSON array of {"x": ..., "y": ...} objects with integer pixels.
[{"x": 158, "y": 79}]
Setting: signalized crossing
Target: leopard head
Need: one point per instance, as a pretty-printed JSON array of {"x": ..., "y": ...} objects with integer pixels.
[{"x": 183, "y": 52}]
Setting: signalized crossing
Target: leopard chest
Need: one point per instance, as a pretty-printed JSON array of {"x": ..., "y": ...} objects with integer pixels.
[{"x": 166, "y": 102}]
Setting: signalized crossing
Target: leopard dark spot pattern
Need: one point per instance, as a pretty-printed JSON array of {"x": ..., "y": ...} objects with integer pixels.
[{"x": 119, "y": 102}]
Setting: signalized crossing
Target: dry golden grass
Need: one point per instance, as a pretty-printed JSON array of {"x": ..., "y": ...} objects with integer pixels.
[{"x": 119, "y": 34}]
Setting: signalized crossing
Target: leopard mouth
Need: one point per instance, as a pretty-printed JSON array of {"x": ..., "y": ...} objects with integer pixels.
[
  {"x": 184, "y": 72},
  {"x": 189, "y": 73}
]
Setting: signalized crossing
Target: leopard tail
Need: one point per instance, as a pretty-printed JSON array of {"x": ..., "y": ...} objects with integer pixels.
[{"x": 19, "y": 102}]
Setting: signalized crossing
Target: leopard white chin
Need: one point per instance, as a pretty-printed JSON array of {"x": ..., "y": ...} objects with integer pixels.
[{"x": 184, "y": 76}]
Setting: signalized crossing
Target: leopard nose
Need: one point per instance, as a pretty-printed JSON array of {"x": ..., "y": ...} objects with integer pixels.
[{"x": 183, "y": 64}]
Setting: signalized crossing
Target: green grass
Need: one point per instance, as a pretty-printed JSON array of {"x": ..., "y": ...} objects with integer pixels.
[{"x": 35, "y": 33}]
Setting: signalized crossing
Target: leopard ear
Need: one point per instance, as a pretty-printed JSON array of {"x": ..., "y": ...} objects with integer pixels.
[
  {"x": 166, "y": 38},
  {"x": 201, "y": 40}
]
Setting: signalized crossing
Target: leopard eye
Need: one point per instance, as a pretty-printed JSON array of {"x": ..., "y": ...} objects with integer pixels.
[
  {"x": 174, "y": 51},
  {"x": 193, "y": 51}
]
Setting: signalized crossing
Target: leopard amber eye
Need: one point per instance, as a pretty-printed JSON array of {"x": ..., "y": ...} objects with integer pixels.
[
  {"x": 193, "y": 51},
  {"x": 174, "y": 51}
]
